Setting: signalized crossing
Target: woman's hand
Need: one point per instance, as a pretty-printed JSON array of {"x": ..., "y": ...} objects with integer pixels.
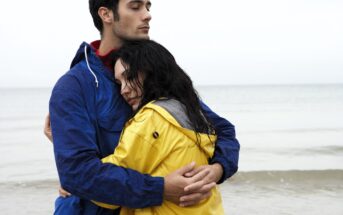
[
  {"x": 63, "y": 192},
  {"x": 47, "y": 128}
]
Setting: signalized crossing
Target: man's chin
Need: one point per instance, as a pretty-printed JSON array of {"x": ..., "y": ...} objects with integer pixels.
[
  {"x": 140, "y": 37},
  {"x": 144, "y": 37}
]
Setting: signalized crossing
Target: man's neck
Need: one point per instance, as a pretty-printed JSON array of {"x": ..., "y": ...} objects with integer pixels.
[{"x": 108, "y": 44}]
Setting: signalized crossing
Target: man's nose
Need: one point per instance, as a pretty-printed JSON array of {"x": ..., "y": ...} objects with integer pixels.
[{"x": 147, "y": 15}]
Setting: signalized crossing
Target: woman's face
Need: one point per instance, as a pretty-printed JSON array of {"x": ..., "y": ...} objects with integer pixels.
[{"x": 130, "y": 91}]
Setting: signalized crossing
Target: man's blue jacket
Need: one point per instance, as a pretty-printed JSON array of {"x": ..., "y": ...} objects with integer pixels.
[{"x": 87, "y": 115}]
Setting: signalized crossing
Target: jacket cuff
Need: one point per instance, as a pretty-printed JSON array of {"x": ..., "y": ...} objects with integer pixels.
[
  {"x": 227, "y": 171},
  {"x": 155, "y": 194}
]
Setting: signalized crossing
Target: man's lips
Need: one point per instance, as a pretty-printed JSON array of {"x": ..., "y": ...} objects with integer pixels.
[{"x": 144, "y": 27}]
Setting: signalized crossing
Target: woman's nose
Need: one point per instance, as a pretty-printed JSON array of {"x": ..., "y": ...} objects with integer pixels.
[{"x": 124, "y": 89}]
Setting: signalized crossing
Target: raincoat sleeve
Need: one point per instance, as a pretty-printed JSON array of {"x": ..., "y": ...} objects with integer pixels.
[
  {"x": 137, "y": 148},
  {"x": 227, "y": 146},
  {"x": 80, "y": 170}
]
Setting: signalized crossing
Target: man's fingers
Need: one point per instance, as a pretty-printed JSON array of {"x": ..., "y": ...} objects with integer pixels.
[
  {"x": 187, "y": 168},
  {"x": 189, "y": 199},
  {"x": 197, "y": 182},
  {"x": 207, "y": 187},
  {"x": 194, "y": 171},
  {"x": 198, "y": 177},
  {"x": 193, "y": 199},
  {"x": 199, "y": 187},
  {"x": 191, "y": 173},
  {"x": 194, "y": 187}
]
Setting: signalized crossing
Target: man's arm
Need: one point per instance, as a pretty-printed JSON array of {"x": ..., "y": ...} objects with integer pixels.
[
  {"x": 140, "y": 151},
  {"x": 80, "y": 169},
  {"x": 223, "y": 164},
  {"x": 227, "y": 146}
]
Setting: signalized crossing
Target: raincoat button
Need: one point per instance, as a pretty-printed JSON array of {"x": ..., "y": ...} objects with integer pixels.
[{"x": 155, "y": 134}]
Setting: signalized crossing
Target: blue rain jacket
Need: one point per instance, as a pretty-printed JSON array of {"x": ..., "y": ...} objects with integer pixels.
[{"x": 87, "y": 115}]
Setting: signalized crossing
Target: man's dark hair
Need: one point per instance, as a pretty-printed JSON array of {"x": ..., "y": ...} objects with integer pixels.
[
  {"x": 163, "y": 78},
  {"x": 94, "y": 6}
]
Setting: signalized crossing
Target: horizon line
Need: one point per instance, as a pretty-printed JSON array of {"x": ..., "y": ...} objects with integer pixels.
[{"x": 200, "y": 85}]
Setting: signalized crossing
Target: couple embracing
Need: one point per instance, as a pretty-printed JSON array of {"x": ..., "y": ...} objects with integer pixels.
[{"x": 130, "y": 134}]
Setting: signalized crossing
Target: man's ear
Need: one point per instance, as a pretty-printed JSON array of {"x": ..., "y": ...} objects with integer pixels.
[{"x": 106, "y": 15}]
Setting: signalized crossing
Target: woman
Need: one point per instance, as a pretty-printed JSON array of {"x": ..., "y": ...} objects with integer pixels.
[{"x": 168, "y": 129}]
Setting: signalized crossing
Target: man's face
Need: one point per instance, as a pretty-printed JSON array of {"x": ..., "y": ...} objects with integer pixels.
[{"x": 134, "y": 18}]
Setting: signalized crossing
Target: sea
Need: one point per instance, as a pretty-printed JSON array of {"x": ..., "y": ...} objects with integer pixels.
[{"x": 291, "y": 157}]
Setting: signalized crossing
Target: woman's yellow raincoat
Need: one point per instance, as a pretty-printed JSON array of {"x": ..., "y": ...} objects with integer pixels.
[{"x": 154, "y": 143}]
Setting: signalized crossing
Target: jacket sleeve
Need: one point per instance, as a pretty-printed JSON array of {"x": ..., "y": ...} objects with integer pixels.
[
  {"x": 227, "y": 146},
  {"x": 79, "y": 167}
]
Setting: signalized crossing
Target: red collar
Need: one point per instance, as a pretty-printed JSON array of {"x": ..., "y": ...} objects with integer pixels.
[{"x": 106, "y": 59}]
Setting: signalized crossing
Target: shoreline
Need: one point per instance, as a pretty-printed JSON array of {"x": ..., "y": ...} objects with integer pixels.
[{"x": 309, "y": 197}]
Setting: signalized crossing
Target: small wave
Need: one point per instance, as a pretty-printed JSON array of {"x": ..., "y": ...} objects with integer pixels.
[
  {"x": 334, "y": 176},
  {"x": 298, "y": 130},
  {"x": 332, "y": 150},
  {"x": 290, "y": 176},
  {"x": 323, "y": 150},
  {"x": 26, "y": 128},
  {"x": 45, "y": 183}
]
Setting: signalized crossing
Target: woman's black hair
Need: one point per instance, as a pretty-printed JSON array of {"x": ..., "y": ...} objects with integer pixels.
[{"x": 163, "y": 78}]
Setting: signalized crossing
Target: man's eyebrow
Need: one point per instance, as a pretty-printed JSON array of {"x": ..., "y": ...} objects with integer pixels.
[
  {"x": 135, "y": 1},
  {"x": 140, "y": 1}
]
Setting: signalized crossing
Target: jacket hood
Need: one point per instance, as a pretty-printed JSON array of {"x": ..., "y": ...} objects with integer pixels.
[
  {"x": 206, "y": 141},
  {"x": 80, "y": 54},
  {"x": 87, "y": 54}
]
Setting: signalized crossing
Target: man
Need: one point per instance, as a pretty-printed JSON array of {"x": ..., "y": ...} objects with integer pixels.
[{"x": 88, "y": 114}]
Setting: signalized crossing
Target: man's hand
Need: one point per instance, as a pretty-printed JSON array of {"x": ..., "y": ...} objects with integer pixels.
[
  {"x": 47, "y": 128},
  {"x": 215, "y": 173},
  {"x": 189, "y": 185},
  {"x": 212, "y": 174}
]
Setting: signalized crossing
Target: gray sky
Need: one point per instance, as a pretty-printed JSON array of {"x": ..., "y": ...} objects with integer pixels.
[{"x": 216, "y": 42}]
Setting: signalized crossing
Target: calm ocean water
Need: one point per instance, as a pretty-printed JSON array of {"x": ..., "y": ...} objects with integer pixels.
[{"x": 291, "y": 149}]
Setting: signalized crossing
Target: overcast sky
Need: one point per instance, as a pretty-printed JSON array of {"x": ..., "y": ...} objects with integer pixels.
[{"x": 216, "y": 42}]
